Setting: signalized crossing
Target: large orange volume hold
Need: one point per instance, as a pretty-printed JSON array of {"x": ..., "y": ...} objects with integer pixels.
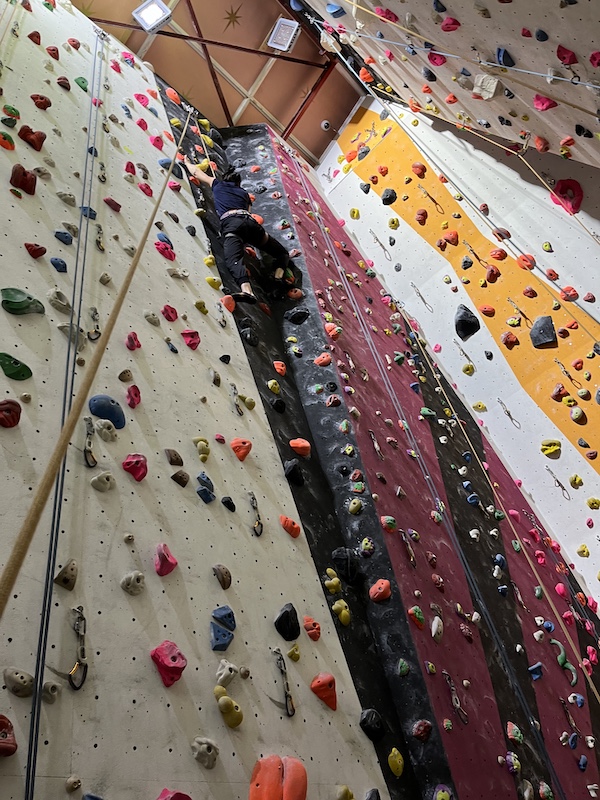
[{"x": 275, "y": 778}]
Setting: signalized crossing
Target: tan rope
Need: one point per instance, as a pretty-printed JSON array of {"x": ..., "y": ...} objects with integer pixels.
[
  {"x": 30, "y": 523},
  {"x": 500, "y": 504}
]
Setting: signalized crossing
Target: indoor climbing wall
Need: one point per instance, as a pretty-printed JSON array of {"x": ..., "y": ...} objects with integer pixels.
[
  {"x": 512, "y": 389},
  {"x": 485, "y": 636},
  {"x": 526, "y": 72},
  {"x": 173, "y": 538}
]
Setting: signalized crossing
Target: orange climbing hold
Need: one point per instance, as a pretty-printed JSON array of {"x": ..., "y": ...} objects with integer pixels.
[
  {"x": 541, "y": 145},
  {"x": 526, "y": 261},
  {"x": 365, "y": 76},
  {"x": 301, "y": 447},
  {"x": 275, "y": 778},
  {"x": 419, "y": 169},
  {"x": 451, "y": 237},
  {"x": 324, "y": 360},
  {"x": 241, "y": 447},
  {"x": 351, "y": 155},
  {"x": 488, "y": 311},
  {"x": 498, "y": 254},
  {"x": 569, "y": 293},
  {"x": 312, "y": 628},
  {"x": 172, "y": 95},
  {"x": 289, "y": 526},
  {"x": 380, "y": 591},
  {"x": 228, "y": 302},
  {"x": 382, "y": 170},
  {"x": 280, "y": 368},
  {"x": 323, "y": 685},
  {"x": 332, "y": 330},
  {"x": 258, "y": 219}
]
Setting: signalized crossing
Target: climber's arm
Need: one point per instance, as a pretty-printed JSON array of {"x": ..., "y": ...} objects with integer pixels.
[{"x": 195, "y": 170}]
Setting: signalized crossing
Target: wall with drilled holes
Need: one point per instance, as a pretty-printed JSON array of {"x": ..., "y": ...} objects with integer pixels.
[
  {"x": 522, "y": 378},
  {"x": 426, "y": 58},
  {"x": 124, "y": 734}
]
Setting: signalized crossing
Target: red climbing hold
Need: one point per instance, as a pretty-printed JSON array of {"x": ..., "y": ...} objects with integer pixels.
[
  {"x": 419, "y": 169},
  {"x": 509, "y": 339},
  {"x": 10, "y": 414},
  {"x": 529, "y": 291},
  {"x": 191, "y": 338},
  {"x": 22, "y": 178},
  {"x": 380, "y": 591},
  {"x": 35, "y": 250},
  {"x": 170, "y": 662},
  {"x": 526, "y": 261},
  {"x": 569, "y": 194},
  {"x": 543, "y": 103},
  {"x": 552, "y": 274},
  {"x": 35, "y": 37},
  {"x": 33, "y": 138},
  {"x": 421, "y": 216},
  {"x": 146, "y": 189},
  {"x": 541, "y": 145},
  {"x": 132, "y": 342},
  {"x": 111, "y": 203},
  {"x": 565, "y": 55},
  {"x": 382, "y": 170},
  {"x": 323, "y": 685},
  {"x": 498, "y": 254},
  {"x": 301, "y": 447},
  {"x": 589, "y": 297},
  {"x": 450, "y": 24},
  {"x": 169, "y": 313},
  {"x": 53, "y": 52},
  {"x": 569, "y": 293},
  {"x": 492, "y": 274}
]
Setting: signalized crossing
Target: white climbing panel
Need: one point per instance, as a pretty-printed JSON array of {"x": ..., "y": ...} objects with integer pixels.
[{"x": 124, "y": 733}]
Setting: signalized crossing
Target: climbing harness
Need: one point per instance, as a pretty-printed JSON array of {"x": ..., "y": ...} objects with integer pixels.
[
  {"x": 378, "y": 241},
  {"x": 559, "y": 485},
  {"x": 508, "y": 413},
  {"x": 287, "y": 693},
  {"x": 258, "y": 526},
  {"x": 78, "y": 673},
  {"x": 421, "y": 298},
  {"x": 88, "y": 455}
]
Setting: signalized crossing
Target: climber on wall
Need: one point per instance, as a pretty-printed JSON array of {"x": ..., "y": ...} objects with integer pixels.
[{"x": 239, "y": 228}]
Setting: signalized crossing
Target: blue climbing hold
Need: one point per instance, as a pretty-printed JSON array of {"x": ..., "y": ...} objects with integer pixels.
[
  {"x": 206, "y": 489},
  {"x": 535, "y": 670},
  {"x": 500, "y": 561},
  {"x": 225, "y": 616},
  {"x": 103, "y": 406},
  {"x": 541, "y": 35},
  {"x": 64, "y": 237},
  {"x": 464, "y": 71},
  {"x": 296, "y": 5},
  {"x": 90, "y": 796},
  {"x": 467, "y": 457},
  {"x": 379, "y": 35},
  {"x": 503, "y": 590},
  {"x": 162, "y": 237},
  {"x": 573, "y": 740},
  {"x": 468, "y": 486},
  {"x": 88, "y": 212},
  {"x": 92, "y": 151},
  {"x": 153, "y": 110},
  {"x": 415, "y": 387},
  {"x": 59, "y": 264},
  {"x": 579, "y": 700},
  {"x": 172, "y": 347},
  {"x": 334, "y": 10},
  {"x": 473, "y": 499},
  {"x": 439, "y": 6},
  {"x": 126, "y": 110},
  {"x": 548, "y": 626},
  {"x": 220, "y": 638},
  {"x": 582, "y": 763},
  {"x": 165, "y": 163},
  {"x": 504, "y": 58}
]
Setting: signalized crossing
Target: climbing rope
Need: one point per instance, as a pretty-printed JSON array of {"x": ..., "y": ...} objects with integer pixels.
[
  {"x": 470, "y": 577},
  {"x": 28, "y": 528}
]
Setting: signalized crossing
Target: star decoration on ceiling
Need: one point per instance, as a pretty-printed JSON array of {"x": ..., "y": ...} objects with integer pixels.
[{"x": 233, "y": 17}]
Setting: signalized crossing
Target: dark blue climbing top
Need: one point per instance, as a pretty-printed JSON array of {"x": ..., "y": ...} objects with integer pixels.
[{"x": 228, "y": 197}]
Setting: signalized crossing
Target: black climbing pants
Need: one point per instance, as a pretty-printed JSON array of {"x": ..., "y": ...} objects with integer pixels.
[{"x": 240, "y": 230}]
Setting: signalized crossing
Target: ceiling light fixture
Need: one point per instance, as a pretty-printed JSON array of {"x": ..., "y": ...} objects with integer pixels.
[{"x": 152, "y": 15}]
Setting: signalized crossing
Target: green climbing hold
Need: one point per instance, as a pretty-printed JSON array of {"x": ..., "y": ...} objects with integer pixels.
[
  {"x": 403, "y": 668},
  {"x": 13, "y": 368},
  {"x": 399, "y": 358},
  {"x": 499, "y": 514},
  {"x": 427, "y": 412},
  {"x": 11, "y": 111},
  {"x": 48, "y": 5},
  {"x": 370, "y": 273},
  {"x": 516, "y": 545},
  {"x": 16, "y": 301},
  {"x": 10, "y": 122},
  {"x": 82, "y": 83},
  {"x": 539, "y": 592},
  {"x": 562, "y": 661}
]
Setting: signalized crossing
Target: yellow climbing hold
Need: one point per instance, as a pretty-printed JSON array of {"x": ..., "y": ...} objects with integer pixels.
[
  {"x": 346, "y": 168},
  {"x": 210, "y": 260},
  {"x": 550, "y": 446},
  {"x": 333, "y": 584},
  {"x": 393, "y": 223},
  {"x": 343, "y": 793},
  {"x": 204, "y": 165},
  {"x": 213, "y": 281},
  {"x": 479, "y": 406},
  {"x": 274, "y": 386},
  {"x": 468, "y": 369},
  {"x": 396, "y": 762},
  {"x": 583, "y": 550},
  {"x": 361, "y": 264},
  {"x": 593, "y": 503},
  {"x": 576, "y": 481},
  {"x": 201, "y": 306},
  {"x": 444, "y": 225},
  {"x": 341, "y": 158},
  {"x": 207, "y": 140},
  {"x": 204, "y": 123},
  {"x": 341, "y": 610},
  {"x": 294, "y": 653},
  {"x": 175, "y": 123},
  {"x": 354, "y": 213}
]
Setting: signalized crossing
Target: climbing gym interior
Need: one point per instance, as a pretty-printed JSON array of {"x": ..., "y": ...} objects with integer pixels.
[{"x": 334, "y": 537}]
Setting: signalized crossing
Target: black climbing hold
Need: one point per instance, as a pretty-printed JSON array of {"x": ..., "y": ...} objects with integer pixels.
[
  {"x": 370, "y": 301},
  {"x": 238, "y": 163},
  {"x": 598, "y": 396},
  {"x": 542, "y": 332},
  {"x": 384, "y": 114},
  {"x": 363, "y": 153},
  {"x": 596, "y": 348},
  {"x": 398, "y": 267},
  {"x": 344, "y": 470},
  {"x": 428, "y": 74},
  {"x": 191, "y": 230},
  {"x": 489, "y": 355},
  {"x": 466, "y": 323},
  {"x": 509, "y": 94},
  {"x": 504, "y": 58},
  {"x": 466, "y": 263},
  {"x": 373, "y": 794},
  {"x": 250, "y": 337},
  {"x": 260, "y": 188},
  {"x": 215, "y": 135},
  {"x": 277, "y": 404},
  {"x": 372, "y": 724},
  {"x": 297, "y": 315},
  {"x": 228, "y": 503},
  {"x": 365, "y": 187},
  {"x": 331, "y": 386},
  {"x": 388, "y": 197},
  {"x": 225, "y": 359},
  {"x": 392, "y": 241},
  {"x": 286, "y": 623},
  {"x": 582, "y": 443},
  {"x": 439, "y": 6},
  {"x": 346, "y": 563},
  {"x": 293, "y": 472},
  {"x": 541, "y": 35}
]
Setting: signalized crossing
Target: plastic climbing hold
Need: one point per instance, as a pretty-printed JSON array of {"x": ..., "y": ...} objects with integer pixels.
[
  {"x": 170, "y": 662},
  {"x": 396, "y": 762},
  {"x": 380, "y": 591},
  {"x": 136, "y": 465},
  {"x": 569, "y": 194},
  {"x": 241, "y": 447},
  {"x": 289, "y": 526},
  {"x": 287, "y": 624},
  {"x": 323, "y": 685},
  {"x": 543, "y": 333},
  {"x": 103, "y": 406},
  {"x": 16, "y": 301},
  {"x": 10, "y": 413},
  {"x": 466, "y": 323},
  {"x": 275, "y": 778},
  {"x": 164, "y": 560}
]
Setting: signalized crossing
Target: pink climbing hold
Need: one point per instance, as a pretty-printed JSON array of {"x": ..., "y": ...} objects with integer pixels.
[
  {"x": 164, "y": 560},
  {"x": 142, "y": 99},
  {"x": 592, "y": 604},
  {"x": 540, "y": 557},
  {"x": 168, "y": 794},
  {"x": 132, "y": 342},
  {"x": 146, "y": 189},
  {"x": 165, "y": 250},
  {"x": 115, "y": 66},
  {"x": 568, "y": 194},
  {"x": 514, "y": 514},
  {"x": 136, "y": 465},
  {"x": 561, "y": 590},
  {"x": 191, "y": 338},
  {"x": 170, "y": 663},
  {"x": 385, "y": 13},
  {"x": 592, "y": 654},
  {"x": 450, "y": 24},
  {"x": 586, "y": 666},
  {"x": 542, "y": 103},
  {"x": 595, "y": 58},
  {"x": 219, "y": 438},
  {"x": 518, "y": 482},
  {"x": 174, "y": 186},
  {"x": 569, "y": 617},
  {"x": 169, "y": 313},
  {"x": 589, "y": 522},
  {"x": 141, "y": 123},
  {"x": 565, "y": 55},
  {"x": 437, "y": 348},
  {"x": 157, "y": 141},
  {"x": 133, "y": 396},
  {"x": 436, "y": 59}
]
